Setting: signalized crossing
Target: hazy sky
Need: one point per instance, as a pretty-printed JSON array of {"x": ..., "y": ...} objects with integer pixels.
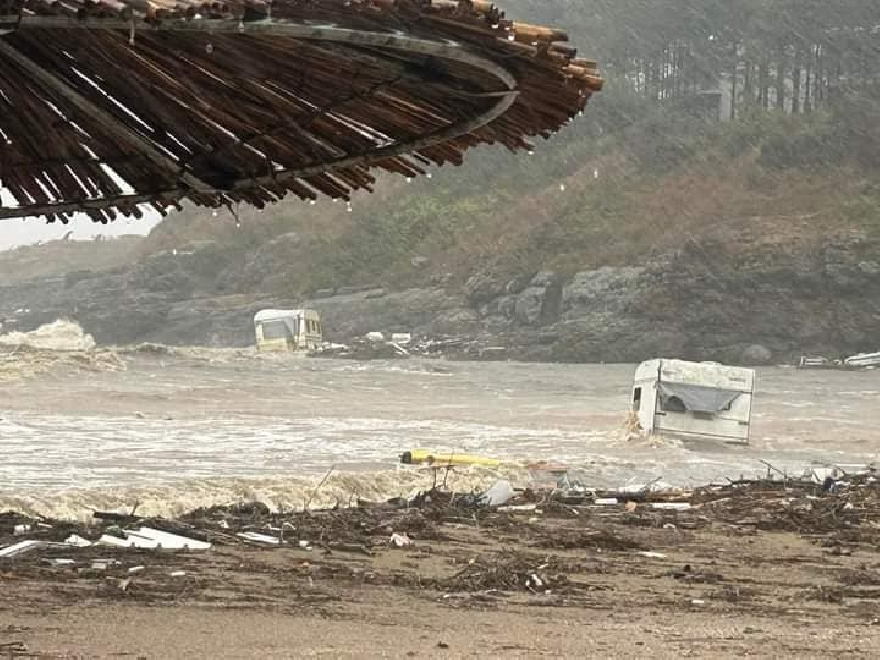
[{"x": 32, "y": 230}]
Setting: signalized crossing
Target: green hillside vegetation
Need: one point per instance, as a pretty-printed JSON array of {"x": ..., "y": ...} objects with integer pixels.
[{"x": 645, "y": 169}]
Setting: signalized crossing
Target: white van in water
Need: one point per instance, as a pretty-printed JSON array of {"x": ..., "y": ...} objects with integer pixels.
[{"x": 287, "y": 330}]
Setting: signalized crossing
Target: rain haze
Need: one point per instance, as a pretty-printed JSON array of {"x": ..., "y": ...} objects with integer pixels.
[
  {"x": 475, "y": 324},
  {"x": 18, "y": 232}
]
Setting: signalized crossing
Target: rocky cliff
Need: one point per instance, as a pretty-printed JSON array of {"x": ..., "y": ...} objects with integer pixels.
[{"x": 727, "y": 298}]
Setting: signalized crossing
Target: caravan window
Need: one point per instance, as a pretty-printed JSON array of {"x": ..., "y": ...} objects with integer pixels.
[
  {"x": 637, "y": 399},
  {"x": 681, "y": 397},
  {"x": 672, "y": 404},
  {"x": 275, "y": 330}
]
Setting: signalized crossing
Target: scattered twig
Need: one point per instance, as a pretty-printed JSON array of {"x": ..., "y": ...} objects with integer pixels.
[
  {"x": 772, "y": 467},
  {"x": 280, "y": 523},
  {"x": 318, "y": 487}
]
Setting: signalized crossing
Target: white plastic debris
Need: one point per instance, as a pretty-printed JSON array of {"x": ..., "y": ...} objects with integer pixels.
[
  {"x": 330, "y": 346},
  {"x": 77, "y": 541},
  {"x": 136, "y": 569},
  {"x": 57, "y": 561},
  {"x": 498, "y": 494},
  {"x": 18, "y": 530},
  {"x": 679, "y": 506},
  {"x": 305, "y": 545},
  {"x": 103, "y": 564},
  {"x": 653, "y": 555},
  {"x": 400, "y": 540},
  {"x": 168, "y": 541},
  {"x": 21, "y": 548},
  {"x": 653, "y": 487},
  {"x": 820, "y": 474},
  {"x": 259, "y": 538},
  {"x": 402, "y": 338},
  {"x": 130, "y": 542},
  {"x": 606, "y": 500},
  {"x": 153, "y": 539},
  {"x": 374, "y": 336},
  {"x": 178, "y": 574}
]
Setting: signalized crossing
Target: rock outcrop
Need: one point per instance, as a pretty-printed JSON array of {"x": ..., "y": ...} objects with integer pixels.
[{"x": 706, "y": 301}]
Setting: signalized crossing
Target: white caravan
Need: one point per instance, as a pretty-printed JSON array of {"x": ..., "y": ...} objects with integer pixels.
[
  {"x": 695, "y": 399},
  {"x": 296, "y": 330}
]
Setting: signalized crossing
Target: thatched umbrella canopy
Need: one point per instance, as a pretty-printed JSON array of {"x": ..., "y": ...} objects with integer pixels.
[{"x": 108, "y": 106}]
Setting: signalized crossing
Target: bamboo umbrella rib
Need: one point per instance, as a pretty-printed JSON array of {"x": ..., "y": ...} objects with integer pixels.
[{"x": 155, "y": 101}]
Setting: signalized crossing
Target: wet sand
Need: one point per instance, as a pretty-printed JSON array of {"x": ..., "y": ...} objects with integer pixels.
[{"x": 384, "y": 629}]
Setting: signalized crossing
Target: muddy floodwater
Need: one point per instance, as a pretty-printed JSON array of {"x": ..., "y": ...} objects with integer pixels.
[{"x": 172, "y": 432}]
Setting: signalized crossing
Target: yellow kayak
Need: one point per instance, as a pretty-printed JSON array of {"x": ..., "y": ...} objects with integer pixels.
[{"x": 428, "y": 457}]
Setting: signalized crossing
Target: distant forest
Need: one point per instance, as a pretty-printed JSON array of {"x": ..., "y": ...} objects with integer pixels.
[{"x": 791, "y": 55}]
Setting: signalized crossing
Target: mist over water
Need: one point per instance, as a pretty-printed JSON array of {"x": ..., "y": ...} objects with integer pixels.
[{"x": 176, "y": 433}]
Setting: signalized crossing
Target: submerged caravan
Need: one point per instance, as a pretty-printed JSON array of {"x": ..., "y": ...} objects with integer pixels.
[
  {"x": 287, "y": 330},
  {"x": 694, "y": 399},
  {"x": 219, "y": 103}
]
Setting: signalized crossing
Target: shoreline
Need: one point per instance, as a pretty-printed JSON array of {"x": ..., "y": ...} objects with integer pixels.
[{"x": 542, "y": 576}]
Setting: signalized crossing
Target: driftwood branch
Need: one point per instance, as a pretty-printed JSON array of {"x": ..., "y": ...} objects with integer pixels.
[{"x": 318, "y": 487}]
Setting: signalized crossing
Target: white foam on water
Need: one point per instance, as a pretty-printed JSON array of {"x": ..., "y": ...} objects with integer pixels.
[
  {"x": 169, "y": 466},
  {"x": 113, "y": 451},
  {"x": 288, "y": 493},
  {"x": 59, "y": 335},
  {"x": 244, "y": 427}
]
